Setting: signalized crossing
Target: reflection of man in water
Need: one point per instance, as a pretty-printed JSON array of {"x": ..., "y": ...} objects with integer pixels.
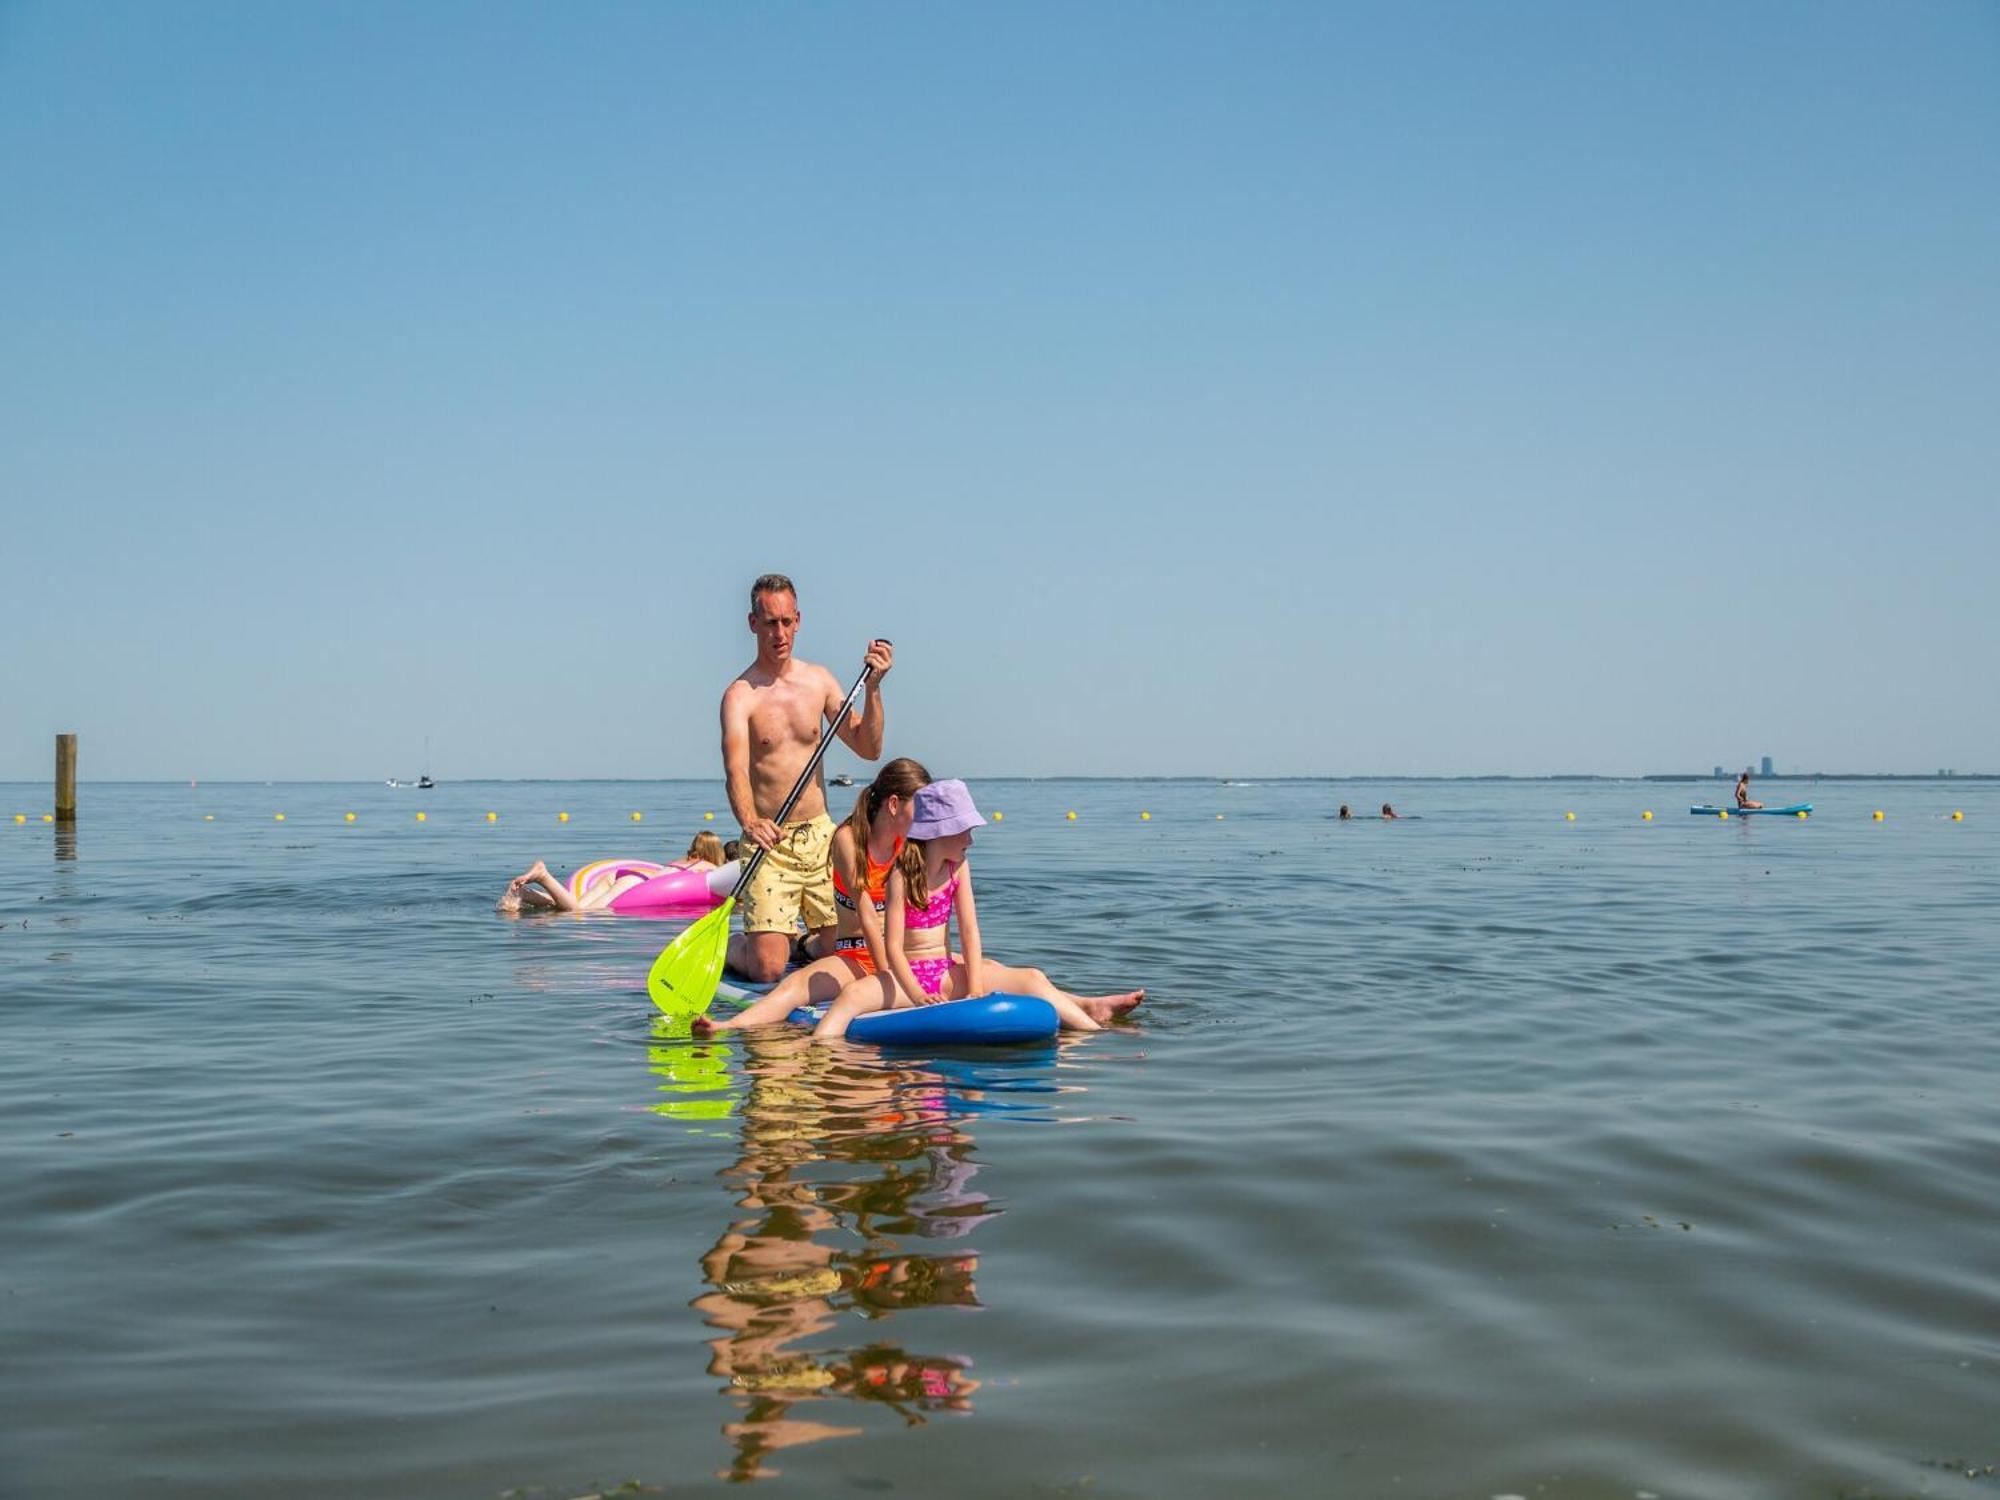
[{"x": 774, "y": 1285}]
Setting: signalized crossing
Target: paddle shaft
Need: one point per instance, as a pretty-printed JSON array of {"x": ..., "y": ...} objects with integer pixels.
[{"x": 799, "y": 786}]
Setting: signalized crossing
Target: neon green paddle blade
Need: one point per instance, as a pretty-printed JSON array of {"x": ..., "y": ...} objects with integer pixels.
[{"x": 683, "y": 978}]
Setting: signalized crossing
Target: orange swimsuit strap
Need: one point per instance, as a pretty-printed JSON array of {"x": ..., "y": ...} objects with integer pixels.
[{"x": 878, "y": 879}]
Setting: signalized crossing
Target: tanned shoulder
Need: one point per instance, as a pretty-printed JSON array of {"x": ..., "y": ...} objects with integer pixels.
[{"x": 738, "y": 700}]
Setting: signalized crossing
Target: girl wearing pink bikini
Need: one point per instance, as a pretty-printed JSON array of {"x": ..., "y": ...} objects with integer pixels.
[{"x": 928, "y": 887}]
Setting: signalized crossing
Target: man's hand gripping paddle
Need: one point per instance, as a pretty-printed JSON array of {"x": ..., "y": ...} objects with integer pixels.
[{"x": 683, "y": 978}]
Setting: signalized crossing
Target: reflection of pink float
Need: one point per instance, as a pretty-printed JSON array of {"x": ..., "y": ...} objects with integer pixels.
[{"x": 661, "y": 889}]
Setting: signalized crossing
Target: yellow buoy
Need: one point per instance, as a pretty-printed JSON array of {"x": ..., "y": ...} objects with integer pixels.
[
  {"x": 1647, "y": 816},
  {"x": 1724, "y": 814},
  {"x": 20, "y": 817},
  {"x": 1145, "y": 817},
  {"x": 350, "y": 817},
  {"x": 708, "y": 817},
  {"x": 637, "y": 816},
  {"x": 493, "y": 817},
  {"x": 1569, "y": 817},
  {"x": 208, "y": 817},
  {"x": 51, "y": 817},
  {"x": 277, "y": 817},
  {"x": 421, "y": 817},
  {"x": 998, "y": 817},
  {"x": 1072, "y": 817},
  {"x": 1878, "y": 814},
  {"x": 1218, "y": 817},
  {"x": 1802, "y": 815},
  {"x": 1957, "y": 816},
  {"x": 562, "y": 817}
]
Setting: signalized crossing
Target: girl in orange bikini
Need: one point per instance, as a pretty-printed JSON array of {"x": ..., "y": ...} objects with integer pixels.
[{"x": 864, "y": 849}]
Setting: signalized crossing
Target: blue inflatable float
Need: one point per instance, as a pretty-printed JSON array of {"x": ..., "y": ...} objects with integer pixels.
[{"x": 983, "y": 1021}]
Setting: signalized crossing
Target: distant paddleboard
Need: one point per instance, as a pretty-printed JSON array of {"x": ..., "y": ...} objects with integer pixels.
[{"x": 1707, "y": 810}]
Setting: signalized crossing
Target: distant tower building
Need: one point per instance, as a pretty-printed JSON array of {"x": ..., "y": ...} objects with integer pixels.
[
  {"x": 1718, "y": 773},
  {"x": 1767, "y": 766}
]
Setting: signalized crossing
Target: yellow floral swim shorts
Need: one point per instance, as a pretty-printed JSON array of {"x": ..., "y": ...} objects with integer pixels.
[{"x": 793, "y": 881}]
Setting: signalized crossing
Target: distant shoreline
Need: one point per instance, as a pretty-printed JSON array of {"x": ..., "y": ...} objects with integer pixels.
[{"x": 1829, "y": 776}]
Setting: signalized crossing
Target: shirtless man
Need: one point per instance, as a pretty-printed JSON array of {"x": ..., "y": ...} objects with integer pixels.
[
  {"x": 1743, "y": 792},
  {"x": 771, "y": 718}
]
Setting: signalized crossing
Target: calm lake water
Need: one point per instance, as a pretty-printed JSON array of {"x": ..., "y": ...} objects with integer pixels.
[{"x": 1482, "y": 1154}]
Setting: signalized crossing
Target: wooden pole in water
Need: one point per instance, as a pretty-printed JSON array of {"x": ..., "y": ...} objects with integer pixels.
[{"x": 65, "y": 778}]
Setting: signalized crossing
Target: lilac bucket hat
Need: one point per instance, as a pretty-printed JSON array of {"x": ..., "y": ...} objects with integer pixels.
[{"x": 944, "y": 808}]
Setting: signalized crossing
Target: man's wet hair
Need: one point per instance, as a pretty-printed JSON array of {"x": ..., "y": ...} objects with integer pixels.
[{"x": 771, "y": 583}]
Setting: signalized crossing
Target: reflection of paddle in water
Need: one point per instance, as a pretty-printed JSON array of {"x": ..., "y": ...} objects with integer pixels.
[{"x": 778, "y": 1284}]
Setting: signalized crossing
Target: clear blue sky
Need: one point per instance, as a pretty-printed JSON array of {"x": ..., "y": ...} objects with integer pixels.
[{"x": 1235, "y": 389}]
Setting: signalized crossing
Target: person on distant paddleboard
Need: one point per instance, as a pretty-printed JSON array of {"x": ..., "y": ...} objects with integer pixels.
[
  {"x": 1743, "y": 799},
  {"x": 771, "y": 717}
]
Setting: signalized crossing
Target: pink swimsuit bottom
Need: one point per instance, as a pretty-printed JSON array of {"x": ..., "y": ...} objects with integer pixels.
[{"x": 931, "y": 973}]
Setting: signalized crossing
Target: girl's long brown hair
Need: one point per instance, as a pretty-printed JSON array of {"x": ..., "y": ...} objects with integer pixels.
[
  {"x": 706, "y": 846},
  {"x": 916, "y": 884},
  {"x": 900, "y": 778}
]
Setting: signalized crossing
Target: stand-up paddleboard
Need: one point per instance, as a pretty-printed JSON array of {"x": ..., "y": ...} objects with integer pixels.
[
  {"x": 996, "y": 1020},
  {"x": 1705, "y": 810}
]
